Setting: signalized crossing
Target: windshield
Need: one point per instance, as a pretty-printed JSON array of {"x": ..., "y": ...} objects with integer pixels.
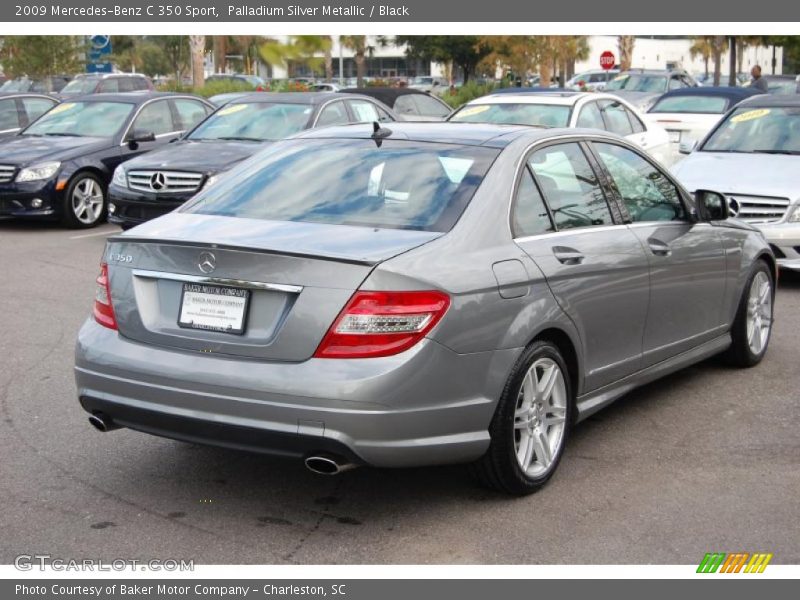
[
  {"x": 80, "y": 86},
  {"x": 257, "y": 121},
  {"x": 422, "y": 80},
  {"x": 542, "y": 115},
  {"x": 92, "y": 119},
  {"x": 395, "y": 185},
  {"x": 782, "y": 86},
  {"x": 638, "y": 83},
  {"x": 712, "y": 105},
  {"x": 758, "y": 130}
]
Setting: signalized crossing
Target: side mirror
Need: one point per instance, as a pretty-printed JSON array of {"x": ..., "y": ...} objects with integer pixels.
[
  {"x": 136, "y": 137},
  {"x": 711, "y": 206},
  {"x": 687, "y": 147}
]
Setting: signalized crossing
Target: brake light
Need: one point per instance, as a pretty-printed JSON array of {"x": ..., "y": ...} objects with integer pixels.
[
  {"x": 382, "y": 323},
  {"x": 103, "y": 310}
]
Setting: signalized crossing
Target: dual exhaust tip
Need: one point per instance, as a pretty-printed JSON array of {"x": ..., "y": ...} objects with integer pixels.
[{"x": 321, "y": 464}]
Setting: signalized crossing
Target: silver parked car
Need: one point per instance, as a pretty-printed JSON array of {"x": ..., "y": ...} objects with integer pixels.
[
  {"x": 753, "y": 156},
  {"x": 425, "y": 294}
]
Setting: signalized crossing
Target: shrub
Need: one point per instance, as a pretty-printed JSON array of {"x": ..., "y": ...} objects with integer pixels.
[{"x": 467, "y": 92}]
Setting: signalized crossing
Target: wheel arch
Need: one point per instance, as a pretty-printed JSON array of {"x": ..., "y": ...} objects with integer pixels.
[{"x": 569, "y": 351}]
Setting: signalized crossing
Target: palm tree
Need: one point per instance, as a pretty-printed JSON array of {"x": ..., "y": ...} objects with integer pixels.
[
  {"x": 625, "y": 44},
  {"x": 221, "y": 43},
  {"x": 719, "y": 43},
  {"x": 702, "y": 46},
  {"x": 357, "y": 43},
  {"x": 197, "y": 46}
]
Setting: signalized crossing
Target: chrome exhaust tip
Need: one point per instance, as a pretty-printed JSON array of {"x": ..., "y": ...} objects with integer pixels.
[
  {"x": 102, "y": 423},
  {"x": 325, "y": 464}
]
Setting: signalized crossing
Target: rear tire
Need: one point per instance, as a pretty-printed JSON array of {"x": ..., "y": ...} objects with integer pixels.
[
  {"x": 752, "y": 327},
  {"x": 84, "y": 204},
  {"x": 530, "y": 426}
]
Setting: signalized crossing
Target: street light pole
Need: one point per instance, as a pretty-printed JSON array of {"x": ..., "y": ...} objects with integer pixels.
[{"x": 341, "y": 62}]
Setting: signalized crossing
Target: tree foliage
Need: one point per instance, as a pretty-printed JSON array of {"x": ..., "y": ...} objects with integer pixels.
[
  {"x": 464, "y": 51},
  {"x": 41, "y": 55}
]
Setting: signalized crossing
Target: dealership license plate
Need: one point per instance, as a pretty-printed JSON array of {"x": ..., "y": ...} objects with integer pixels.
[
  {"x": 674, "y": 136},
  {"x": 214, "y": 308}
]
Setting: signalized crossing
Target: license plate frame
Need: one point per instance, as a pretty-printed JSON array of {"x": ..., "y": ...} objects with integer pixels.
[{"x": 240, "y": 309}]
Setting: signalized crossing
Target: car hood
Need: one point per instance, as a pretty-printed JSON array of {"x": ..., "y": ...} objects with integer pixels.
[
  {"x": 753, "y": 174},
  {"x": 29, "y": 149},
  {"x": 206, "y": 157},
  {"x": 341, "y": 242}
]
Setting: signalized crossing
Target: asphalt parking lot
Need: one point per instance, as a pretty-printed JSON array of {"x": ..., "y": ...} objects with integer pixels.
[{"x": 705, "y": 460}]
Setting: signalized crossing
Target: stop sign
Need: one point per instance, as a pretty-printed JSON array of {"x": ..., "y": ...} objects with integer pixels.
[{"x": 607, "y": 60}]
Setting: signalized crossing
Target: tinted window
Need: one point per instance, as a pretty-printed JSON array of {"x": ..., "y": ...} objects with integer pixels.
[
  {"x": 36, "y": 107},
  {"x": 333, "y": 114},
  {"x": 570, "y": 186},
  {"x": 405, "y": 105},
  {"x": 691, "y": 104},
  {"x": 399, "y": 185},
  {"x": 529, "y": 215},
  {"x": 638, "y": 83},
  {"x": 80, "y": 86},
  {"x": 645, "y": 190},
  {"x": 259, "y": 121},
  {"x": 9, "y": 119},
  {"x": 616, "y": 118},
  {"x": 156, "y": 118},
  {"x": 109, "y": 86},
  {"x": 190, "y": 112},
  {"x": 591, "y": 117},
  {"x": 364, "y": 111},
  {"x": 543, "y": 115},
  {"x": 430, "y": 107},
  {"x": 96, "y": 119},
  {"x": 126, "y": 85}
]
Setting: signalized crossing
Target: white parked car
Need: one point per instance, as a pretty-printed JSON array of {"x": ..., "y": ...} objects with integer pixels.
[
  {"x": 569, "y": 109},
  {"x": 688, "y": 114},
  {"x": 753, "y": 156},
  {"x": 591, "y": 81}
]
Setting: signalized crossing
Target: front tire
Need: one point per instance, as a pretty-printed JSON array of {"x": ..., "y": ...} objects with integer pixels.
[
  {"x": 84, "y": 202},
  {"x": 752, "y": 326},
  {"x": 531, "y": 424}
]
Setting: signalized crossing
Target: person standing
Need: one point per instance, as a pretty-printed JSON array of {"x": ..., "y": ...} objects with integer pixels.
[{"x": 757, "y": 81}]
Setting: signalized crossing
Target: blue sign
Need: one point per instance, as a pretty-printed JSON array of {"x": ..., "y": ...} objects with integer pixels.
[{"x": 96, "y": 56}]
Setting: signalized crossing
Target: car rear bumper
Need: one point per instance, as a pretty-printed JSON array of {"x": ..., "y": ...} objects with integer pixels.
[{"x": 426, "y": 406}]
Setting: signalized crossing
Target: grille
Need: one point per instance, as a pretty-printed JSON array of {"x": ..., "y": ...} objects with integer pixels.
[
  {"x": 165, "y": 182},
  {"x": 757, "y": 209},
  {"x": 7, "y": 173}
]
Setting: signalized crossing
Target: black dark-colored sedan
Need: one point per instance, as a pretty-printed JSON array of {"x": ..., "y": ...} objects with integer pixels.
[
  {"x": 17, "y": 111},
  {"x": 408, "y": 103},
  {"x": 159, "y": 182},
  {"x": 59, "y": 167}
]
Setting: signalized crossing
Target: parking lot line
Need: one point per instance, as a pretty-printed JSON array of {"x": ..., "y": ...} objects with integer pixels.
[{"x": 88, "y": 235}]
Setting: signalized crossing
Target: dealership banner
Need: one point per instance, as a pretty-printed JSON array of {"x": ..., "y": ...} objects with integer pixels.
[{"x": 447, "y": 11}]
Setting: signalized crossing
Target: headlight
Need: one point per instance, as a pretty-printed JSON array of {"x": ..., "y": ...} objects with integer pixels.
[
  {"x": 39, "y": 172},
  {"x": 119, "y": 177},
  {"x": 795, "y": 216}
]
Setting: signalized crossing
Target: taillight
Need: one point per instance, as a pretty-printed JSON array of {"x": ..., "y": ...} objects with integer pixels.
[
  {"x": 382, "y": 323},
  {"x": 103, "y": 310}
]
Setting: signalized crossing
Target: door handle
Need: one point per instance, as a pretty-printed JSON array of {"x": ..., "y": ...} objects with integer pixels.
[
  {"x": 658, "y": 247},
  {"x": 567, "y": 256}
]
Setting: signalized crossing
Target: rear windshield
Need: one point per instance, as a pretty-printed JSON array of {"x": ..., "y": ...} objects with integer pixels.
[
  {"x": 542, "y": 115},
  {"x": 638, "y": 83},
  {"x": 712, "y": 105},
  {"x": 257, "y": 121},
  {"x": 399, "y": 185}
]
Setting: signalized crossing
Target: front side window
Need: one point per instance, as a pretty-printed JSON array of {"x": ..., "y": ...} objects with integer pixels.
[
  {"x": 647, "y": 193},
  {"x": 363, "y": 111},
  {"x": 9, "y": 118},
  {"x": 404, "y": 105},
  {"x": 190, "y": 112},
  {"x": 511, "y": 113},
  {"x": 570, "y": 186},
  {"x": 155, "y": 118},
  {"x": 36, "y": 107},
  {"x": 591, "y": 117},
  {"x": 397, "y": 185},
  {"x": 430, "y": 107},
  {"x": 333, "y": 114},
  {"x": 109, "y": 86},
  {"x": 94, "y": 119},
  {"x": 616, "y": 118}
]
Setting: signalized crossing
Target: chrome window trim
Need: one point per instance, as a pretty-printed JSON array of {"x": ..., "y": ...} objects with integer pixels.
[
  {"x": 572, "y": 231},
  {"x": 251, "y": 285}
]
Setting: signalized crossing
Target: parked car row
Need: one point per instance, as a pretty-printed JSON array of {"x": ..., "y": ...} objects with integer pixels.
[{"x": 64, "y": 86}]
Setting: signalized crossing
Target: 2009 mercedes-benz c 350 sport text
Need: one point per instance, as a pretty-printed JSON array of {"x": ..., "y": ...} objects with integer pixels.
[{"x": 425, "y": 294}]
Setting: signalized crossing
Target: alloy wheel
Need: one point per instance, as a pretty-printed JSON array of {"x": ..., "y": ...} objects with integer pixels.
[
  {"x": 759, "y": 313},
  {"x": 87, "y": 201}
]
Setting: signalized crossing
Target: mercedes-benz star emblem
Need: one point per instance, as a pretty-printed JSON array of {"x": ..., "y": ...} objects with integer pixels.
[
  {"x": 158, "y": 181},
  {"x": 733, "y": 206},
  {"x": 207, "y": 262}
]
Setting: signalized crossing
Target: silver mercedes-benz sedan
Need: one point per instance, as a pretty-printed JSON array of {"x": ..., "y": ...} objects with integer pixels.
[{"x": 424, "y": 294}]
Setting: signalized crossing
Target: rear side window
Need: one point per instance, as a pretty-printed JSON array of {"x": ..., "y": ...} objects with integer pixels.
[
  {"x": 9, "y": 119},
  {"x": 430, "y": 107},
  {"x": 109, "y": 86},
  {"x": 397, "y": 185},
  {"x": 591, "y": 117},
  {"x": 645, "y": 190},
  {"x": 529, "y": 215},
  {"x": 570, "y": 186},
  {"x": 404, "y": 105},
  {"x": 616, "y": 118},
  {"x": 364, "y": 111}
]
